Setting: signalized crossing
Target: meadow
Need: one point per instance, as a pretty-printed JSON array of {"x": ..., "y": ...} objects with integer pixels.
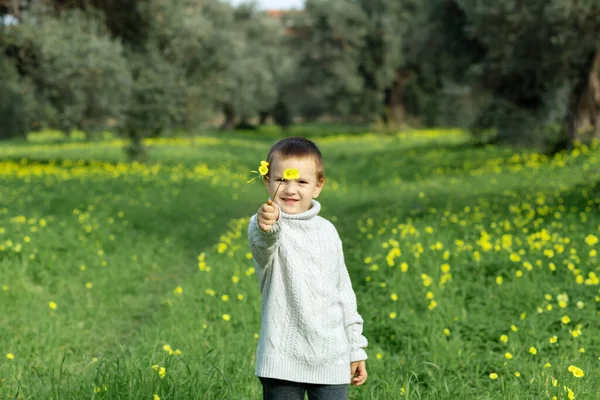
[{"x": 475, "y": 268}]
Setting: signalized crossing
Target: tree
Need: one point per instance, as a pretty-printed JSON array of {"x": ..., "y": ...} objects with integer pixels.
[
  {"x": 539, "y": 58},
  {"x": 80, "y": 75}
]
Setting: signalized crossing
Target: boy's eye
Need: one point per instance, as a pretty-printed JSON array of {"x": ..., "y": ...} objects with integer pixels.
[{"x": 303, "y": 182}]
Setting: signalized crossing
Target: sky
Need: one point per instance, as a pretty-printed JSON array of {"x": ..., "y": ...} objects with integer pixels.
[{"x": 274, "y": 4}]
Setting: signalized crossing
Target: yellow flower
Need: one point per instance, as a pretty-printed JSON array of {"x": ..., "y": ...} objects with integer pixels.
[
  {"x": 493, "y": 375},
  {"x": 156, "y": 397},
  {"x": 565, "y": 320},
  {"x": 392, "y": 315},
  {"x": 570, "y": 394},
  {"x": 518, "y": 374},
  {"x": 533, "y": 350},
  {"x": 263, "y": 170},
  {"x": 394, "y": 297},
  {"x": 508, "y": 355},
  {"x": 591, "y": 240},
  {"x": 291, "y": 173},
  {"x": 10, "y": 356},
  {"x": 178, "y": 290},
  {"x": 447, "y": 332},
  {"x": 226, "y": 317},
  {"x": 577, "y": 372},
  {"x": 168, "y": 349},
  {"x": 52, "y": 305},
  {"x": 504, "y": 338},
  {"x": 162, "y": 372},
  {"x": 553, "y": 339}
]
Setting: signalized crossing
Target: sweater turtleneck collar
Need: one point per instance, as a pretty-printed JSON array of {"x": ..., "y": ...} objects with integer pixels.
[{"x": 314, "y": 209}]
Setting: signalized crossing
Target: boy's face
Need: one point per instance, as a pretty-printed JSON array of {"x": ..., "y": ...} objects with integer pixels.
[{"x": 294, "y": 196}]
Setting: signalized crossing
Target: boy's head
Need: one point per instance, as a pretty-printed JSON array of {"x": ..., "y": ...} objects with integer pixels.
[{"x": 294, "y": 196}]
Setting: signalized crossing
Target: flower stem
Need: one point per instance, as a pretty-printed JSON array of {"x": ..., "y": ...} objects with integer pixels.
[{"x": 269, "y": 201}]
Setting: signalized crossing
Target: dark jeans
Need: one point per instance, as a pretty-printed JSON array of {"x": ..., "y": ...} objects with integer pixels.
[{"x": 277, "y": 389}]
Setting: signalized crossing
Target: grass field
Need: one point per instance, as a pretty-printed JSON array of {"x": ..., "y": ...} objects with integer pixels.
[{"x": 474, "y": 267}]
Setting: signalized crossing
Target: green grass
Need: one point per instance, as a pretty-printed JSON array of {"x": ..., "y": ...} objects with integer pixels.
[{"x": 74, "y": 213}]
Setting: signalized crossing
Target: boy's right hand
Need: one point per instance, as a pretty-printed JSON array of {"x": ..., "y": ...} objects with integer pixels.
[{"x": 267, "y": 216}]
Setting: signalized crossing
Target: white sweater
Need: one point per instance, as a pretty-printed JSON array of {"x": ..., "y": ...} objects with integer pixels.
[{"x": 310, "y": 328}]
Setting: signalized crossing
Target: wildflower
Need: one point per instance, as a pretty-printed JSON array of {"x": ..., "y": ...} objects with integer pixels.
[
  {"x": 517, "y": 374},
  {"x": 10, "y": 356},
  {"x": 168, "y": 349},
  {"x": 392, "y": 315},
  {"x": 291, "y": 173},
  {"x": 263, "y": 170},
  {"x": 508, "y": 355},
  {"x": 447, "y": 332},
  {"x": 577, "y": 372},
  {"x": 493, "y": 375},
  {"x": 52, "y": 305},
  {"x": 565, "y": 319},
  {"x": 533, "y": 350},
  {"x": 226, "y": 317},
  {"x": 156, "y": 397},
  {"x": 178, "y": 290},
  {"x": 504, "y": 338},
  {"x": 162, "y": 372},
  {"x": 553, "y": 339},
  {"x": 591, "y": 240},
  {"x": 394, "y": 297}
]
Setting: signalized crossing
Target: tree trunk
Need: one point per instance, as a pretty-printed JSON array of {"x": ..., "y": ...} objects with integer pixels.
[
  {"x": 395, "y": 109},
  {"x": 229, "y": 123},
  {"x": 264, "y": 115},
  {"x": 587, "y": 124},
  {"x": 580, "y": 86},
  {"x": 135, "y": 150}
]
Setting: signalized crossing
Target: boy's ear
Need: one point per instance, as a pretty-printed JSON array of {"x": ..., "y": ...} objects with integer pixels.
[{"x": 318, "y": 188}]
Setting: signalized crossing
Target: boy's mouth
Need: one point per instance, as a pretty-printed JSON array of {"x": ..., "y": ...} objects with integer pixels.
[{"x": 289, "y": 201}]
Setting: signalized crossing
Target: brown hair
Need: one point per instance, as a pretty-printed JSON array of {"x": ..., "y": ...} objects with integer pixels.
[{"x": 297, "y": 146}]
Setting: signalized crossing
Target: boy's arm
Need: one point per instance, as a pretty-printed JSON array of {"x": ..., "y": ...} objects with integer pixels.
[
  {"x": 262, "y": 243},
  {"x": 353, "y": 322}
]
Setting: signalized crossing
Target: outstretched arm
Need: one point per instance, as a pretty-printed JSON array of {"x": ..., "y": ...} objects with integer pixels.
[{"x": 263, "y": 233}]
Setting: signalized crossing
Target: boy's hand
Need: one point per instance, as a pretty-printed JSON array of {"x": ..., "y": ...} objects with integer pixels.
[
  {"x": 267, "y": 216},
  {"x": 358, "y": 368}
]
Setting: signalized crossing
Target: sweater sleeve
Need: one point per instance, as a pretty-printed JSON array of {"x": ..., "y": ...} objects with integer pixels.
[
  {"x": 262, "y": 244},
  {"x": 353, "y": 322}
]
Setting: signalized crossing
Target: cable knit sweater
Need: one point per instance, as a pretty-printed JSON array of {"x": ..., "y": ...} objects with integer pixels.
[{"x": 310, "y": 328}]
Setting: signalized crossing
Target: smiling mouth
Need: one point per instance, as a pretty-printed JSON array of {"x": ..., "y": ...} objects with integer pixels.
[{"x": 291, "y": 201}]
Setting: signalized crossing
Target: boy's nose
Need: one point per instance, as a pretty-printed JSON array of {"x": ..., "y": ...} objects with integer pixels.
[{"x": 289, "y": 187}]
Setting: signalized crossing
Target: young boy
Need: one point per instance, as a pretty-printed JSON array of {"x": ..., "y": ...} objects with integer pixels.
[{"x": 311, "y": 333}]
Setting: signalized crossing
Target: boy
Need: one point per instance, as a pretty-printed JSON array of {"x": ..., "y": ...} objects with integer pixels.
[{"x": 311, "y": 333}]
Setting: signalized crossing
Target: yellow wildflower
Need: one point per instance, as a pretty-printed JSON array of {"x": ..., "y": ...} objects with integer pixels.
[
  {"x": 577, "y": 372},
  {"x": 291, "y": 173}
]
